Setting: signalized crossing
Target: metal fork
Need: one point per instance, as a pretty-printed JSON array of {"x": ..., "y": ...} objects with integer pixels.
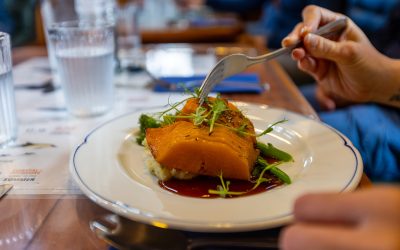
[
  {"x": 4, "y": 188},
  {"x": 236, "y": 63}
]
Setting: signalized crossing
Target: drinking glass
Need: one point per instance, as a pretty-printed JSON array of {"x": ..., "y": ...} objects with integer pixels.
[
  {"x": 84, "y": 52},
  {"x": 128, "y": 35},
  {"x": 55, "y": 11},
  {"x": 8, "y": 119},
  {"x": 96, "y": 9}
]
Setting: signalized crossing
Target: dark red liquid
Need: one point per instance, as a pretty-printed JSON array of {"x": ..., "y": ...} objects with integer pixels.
[{"x": 199, "y": 186}]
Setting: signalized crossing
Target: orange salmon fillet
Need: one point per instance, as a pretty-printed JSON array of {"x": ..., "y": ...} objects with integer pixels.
[{"x": 187, "y": 147}]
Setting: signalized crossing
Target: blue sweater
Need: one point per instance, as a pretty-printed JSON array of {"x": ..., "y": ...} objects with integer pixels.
[{"x": 6, "y": 22}]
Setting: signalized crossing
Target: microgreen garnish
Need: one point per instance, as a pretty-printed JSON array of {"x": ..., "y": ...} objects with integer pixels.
[
  {"x": 195, "y": 93},
  {"x": 223, "y": 189},
  {"x": 172, "y": 107},
  {"x": 217, "y": 107},
  {"x": 168, "y": 120},
  {"x": 264, "y": 166},
  {"x": 242, "y": 129},
  {"x": 270, "y": 128},
  {"x": 261, "y": 167},
  {"x": 200, "y": 116}
]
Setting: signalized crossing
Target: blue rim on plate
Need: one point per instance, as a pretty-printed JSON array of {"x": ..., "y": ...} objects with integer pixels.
[{"x": 107, "y": 184}]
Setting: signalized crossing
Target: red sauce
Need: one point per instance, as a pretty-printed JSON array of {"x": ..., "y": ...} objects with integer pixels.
[{"x": 198, "y": 187}]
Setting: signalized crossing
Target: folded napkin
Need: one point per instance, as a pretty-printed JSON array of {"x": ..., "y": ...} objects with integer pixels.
[{"x": 241, "y": 83}]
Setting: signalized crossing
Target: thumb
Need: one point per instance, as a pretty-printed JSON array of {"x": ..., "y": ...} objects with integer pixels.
[{"x": 324, "y": 48}]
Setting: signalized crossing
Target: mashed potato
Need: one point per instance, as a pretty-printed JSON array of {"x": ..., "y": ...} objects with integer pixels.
[{"x": 163, "y": 173}]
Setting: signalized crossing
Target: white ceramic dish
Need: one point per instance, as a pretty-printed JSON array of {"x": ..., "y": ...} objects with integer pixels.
[{"x": 325, "y": 160}]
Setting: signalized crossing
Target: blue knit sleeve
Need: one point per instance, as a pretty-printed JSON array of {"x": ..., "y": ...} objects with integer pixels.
[{"x": 6, "y": 22}]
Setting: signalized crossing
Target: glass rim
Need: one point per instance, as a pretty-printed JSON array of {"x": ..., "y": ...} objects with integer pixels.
[
  {"x": 4, "y": 39},
  {"x": 81, "y": 24}
]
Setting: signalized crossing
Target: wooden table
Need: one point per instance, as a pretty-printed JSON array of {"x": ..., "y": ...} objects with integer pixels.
[
  {"x": 205, "y": 34},
  {"x": 62, "y": 221},
  {"x": 223, "y": 27}
]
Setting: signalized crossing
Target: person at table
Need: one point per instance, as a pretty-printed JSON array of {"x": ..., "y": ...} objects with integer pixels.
[
  {"x": 277, "y": 19},
  {"x": 351, "y": 73},
  {"x": 362, "y": 220},
  {"x": 354, "y": 71},
  {"x": 378, "y": 139}
]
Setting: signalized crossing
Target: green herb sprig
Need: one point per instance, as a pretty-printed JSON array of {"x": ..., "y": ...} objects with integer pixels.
[
  {"x": 262, "y": 165},
  {"x": 260, "y": 168},
  {"x": 223, "y": 189},
  {"x": 146, "y": 122},
  {"x": 271, "y": 128},
  {"x": 217, "y": 107},
  {"x": 200, "y": 116},
  {"x": 242, "y": 129}
]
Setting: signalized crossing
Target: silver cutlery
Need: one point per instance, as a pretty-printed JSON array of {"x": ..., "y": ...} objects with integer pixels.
[
  {"x": 126, "y": 234},
  {"x": 4, "y": 188},
  {"x": 236, "y": 63},
  {"x": 46, "y": 87}
]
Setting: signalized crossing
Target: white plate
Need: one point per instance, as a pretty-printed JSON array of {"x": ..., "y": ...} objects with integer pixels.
[{"x": 325, "y": 160}]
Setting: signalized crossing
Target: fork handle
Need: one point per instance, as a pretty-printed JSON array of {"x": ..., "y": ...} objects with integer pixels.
[{"x": 328, "y": 30}]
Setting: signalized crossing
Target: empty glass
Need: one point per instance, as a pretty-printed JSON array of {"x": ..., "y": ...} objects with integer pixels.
[
  {"x": 8, "y": 119},
  {"x": 84, "y": 52}
]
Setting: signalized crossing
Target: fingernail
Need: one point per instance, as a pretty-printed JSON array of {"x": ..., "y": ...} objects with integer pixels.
[
  {"x": 311, "y": 39},
  {"x": 304, "y": 30},
  {"x": 286, "y": 41},
  {"x": 297, "y": 55}
]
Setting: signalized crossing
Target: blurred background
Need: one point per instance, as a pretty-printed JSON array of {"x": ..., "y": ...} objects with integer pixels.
[{"x": 202, "y": 21}]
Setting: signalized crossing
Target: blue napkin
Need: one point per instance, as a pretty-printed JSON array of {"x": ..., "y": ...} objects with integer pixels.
[{"x": 241, "y": 83}]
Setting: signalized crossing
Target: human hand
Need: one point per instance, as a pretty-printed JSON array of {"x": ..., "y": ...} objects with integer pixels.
[
  {"x": 329, "y": 101},
  {"x": 349, "y": 68},
  {"x": 365, "y": 219}
]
